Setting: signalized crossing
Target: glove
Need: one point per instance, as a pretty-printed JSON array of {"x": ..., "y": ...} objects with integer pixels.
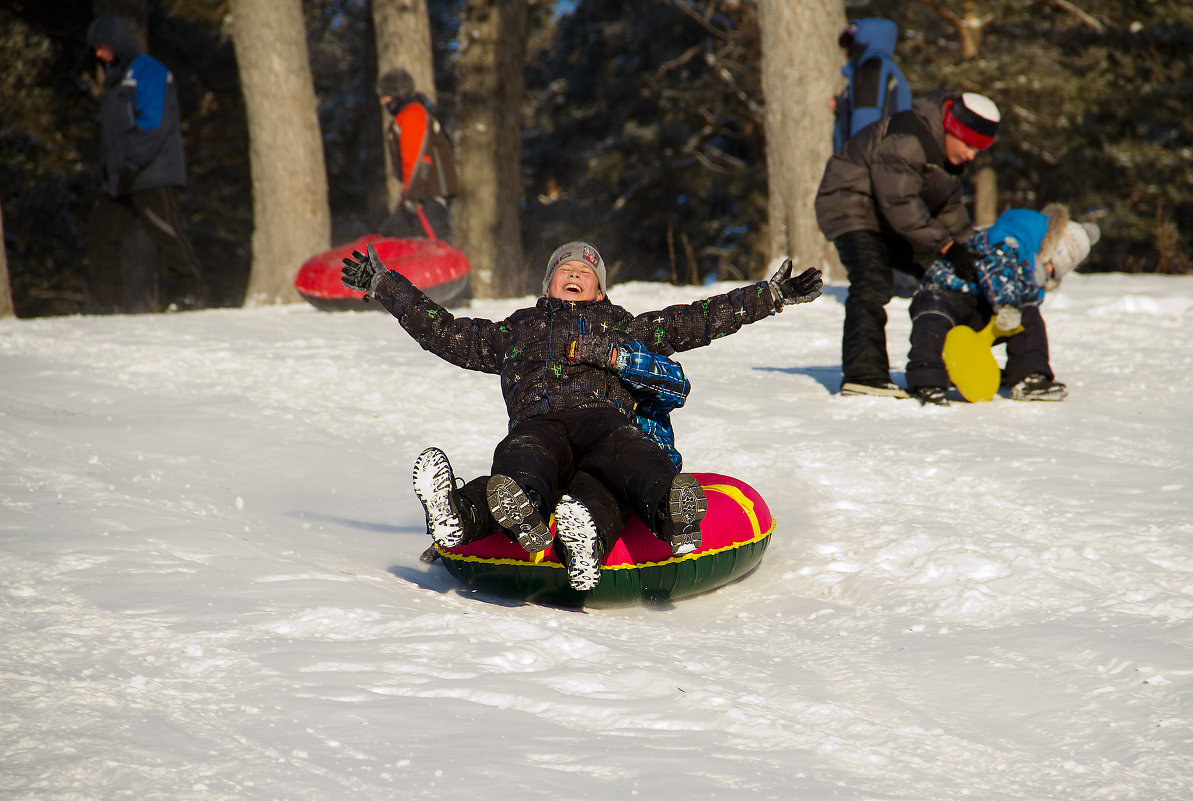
[
  {"x": 962, "y": 260},
  {"x": 596, "y": 349},
  {"x": 1007, "y": 318},
  {"x": 363, "y": 272},
  {"x": 786, "y": 290}
]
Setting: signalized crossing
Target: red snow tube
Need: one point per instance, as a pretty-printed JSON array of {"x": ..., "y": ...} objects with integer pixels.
[
  {"x": 640, "y": 568},
  {"x": 432, "y": 265}
]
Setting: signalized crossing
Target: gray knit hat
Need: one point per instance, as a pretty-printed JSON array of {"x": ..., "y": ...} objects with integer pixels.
[
  {"x": 395, "y": 83},
  {"x": 576, "y": 251}
]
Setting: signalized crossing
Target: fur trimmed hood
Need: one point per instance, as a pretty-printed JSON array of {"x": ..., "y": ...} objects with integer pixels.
[{"x": 1066, "y": 244}]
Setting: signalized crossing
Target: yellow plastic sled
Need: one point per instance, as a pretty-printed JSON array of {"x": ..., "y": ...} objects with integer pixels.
[{"x": 970, "y": 361}]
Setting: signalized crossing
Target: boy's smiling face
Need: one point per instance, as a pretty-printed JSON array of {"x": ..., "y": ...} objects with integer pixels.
[{"x": 574, "y": 280}]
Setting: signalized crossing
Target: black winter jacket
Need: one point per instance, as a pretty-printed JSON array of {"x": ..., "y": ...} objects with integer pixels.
[
  {"x": 528, "y": 349},
  {"x": 893, "y": 175},
  {"x": 142, "y": 140}
]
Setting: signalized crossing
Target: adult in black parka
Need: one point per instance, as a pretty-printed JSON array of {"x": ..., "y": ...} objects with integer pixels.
[{"x": 894, "y": 189}]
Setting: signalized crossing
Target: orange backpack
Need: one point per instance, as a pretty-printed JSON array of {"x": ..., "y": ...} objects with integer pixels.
[{"x": 422, "y": 152}]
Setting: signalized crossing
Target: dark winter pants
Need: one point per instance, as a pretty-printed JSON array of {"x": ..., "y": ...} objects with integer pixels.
[
  {"x": 405, "y": 222},
  {"x": 935, "y": 311},
  {"x": 151, "y": 282},
  {"x": 869, "y": 259},
  {"x": 609, "y": 515},
  {"x": 597, "y": 456}
]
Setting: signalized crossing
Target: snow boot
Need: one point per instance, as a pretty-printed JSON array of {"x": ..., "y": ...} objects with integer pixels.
[
  {"x": 888, "y": 389},
  {"x": 931, "y": 396},
  {"x": 1039, "y": 387},
  {"x": 514, "y": 511},
  {"x": 680, "y": 514},
  {"x": 451, "y": 520},
  {"x": 580, "y": 546}
]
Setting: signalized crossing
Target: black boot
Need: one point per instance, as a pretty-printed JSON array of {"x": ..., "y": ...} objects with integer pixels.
[
  {"x": 931, "y": 396},
  {"x": 677, "y": 520},
  {"x": 1039, "y": 387},
  {"x": 515, "y": 511}
]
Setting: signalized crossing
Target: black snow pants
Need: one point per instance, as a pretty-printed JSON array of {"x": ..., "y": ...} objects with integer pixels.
[
  {"x": 406, "y": 223},
  {"x": 609, "y": 515},
  {"x": 934, "y": 311},
  {"x": 174, "y": 274},
  {"x": 598, "y": 456},
  {"x": 870, "y": 259}
]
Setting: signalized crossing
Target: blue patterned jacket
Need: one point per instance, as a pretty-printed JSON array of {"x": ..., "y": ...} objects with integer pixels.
[
  {"x": 660, "y": 386},
  {"x": 1005, "y": 255}
]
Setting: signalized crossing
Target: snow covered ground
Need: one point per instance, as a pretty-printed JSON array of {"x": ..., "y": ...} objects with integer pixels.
[{"x": 210, "y": 586}]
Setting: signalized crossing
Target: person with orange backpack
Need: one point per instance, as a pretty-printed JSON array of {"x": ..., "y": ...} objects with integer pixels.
[{"x": 421, "y": 152}]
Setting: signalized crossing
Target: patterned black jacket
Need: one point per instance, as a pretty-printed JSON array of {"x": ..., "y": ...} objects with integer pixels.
[{"x": 529, "y": 348}]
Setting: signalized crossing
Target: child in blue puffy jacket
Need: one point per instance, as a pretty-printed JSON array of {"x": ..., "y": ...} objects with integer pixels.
[{"x": 1019, "y": 257}]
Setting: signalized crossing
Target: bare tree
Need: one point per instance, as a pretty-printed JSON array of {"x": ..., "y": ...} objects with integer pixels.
[
  {"x": 800, "y": 64},
  {"x": 6, "y": 307},
  {"x": 486, "y": 221},
  {"x": 291, "y": 218},
  {"x": 402, "y": 34},
  {"x": 970, "y": 25}
]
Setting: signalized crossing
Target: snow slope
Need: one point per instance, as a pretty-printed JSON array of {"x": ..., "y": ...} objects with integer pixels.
[{"x": 210, "y": 586}]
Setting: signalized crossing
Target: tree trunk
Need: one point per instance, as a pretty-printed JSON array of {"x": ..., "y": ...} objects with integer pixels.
[
  {"x": 486, "y": 222},
  {"x": 6, "y": 307},
  {"x": 291, "y": 218},
  {"x": 985, "y": 195},
  {"x": 800, "y": 63},
  {"x": 402, "y": 34}
]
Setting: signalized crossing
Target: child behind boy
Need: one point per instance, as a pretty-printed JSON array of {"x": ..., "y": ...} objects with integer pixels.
[
  {"x": 1021, "y": 255},
  {"x": 569, "y": 412}
]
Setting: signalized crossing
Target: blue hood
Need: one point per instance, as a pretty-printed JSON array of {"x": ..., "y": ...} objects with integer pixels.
[
  {"x": 1024, "y": 227},
  {"x": 875, "y": 37}
]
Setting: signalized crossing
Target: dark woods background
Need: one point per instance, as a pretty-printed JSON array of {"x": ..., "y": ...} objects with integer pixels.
[{"x": 643, "y": 127}]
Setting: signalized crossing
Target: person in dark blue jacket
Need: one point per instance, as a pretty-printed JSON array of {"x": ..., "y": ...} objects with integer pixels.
[
  {"x": 876, "y": 88},
  {"x": 143, "y": 168}
]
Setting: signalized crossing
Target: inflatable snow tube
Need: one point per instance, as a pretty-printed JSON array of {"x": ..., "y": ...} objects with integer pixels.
[
  {"x": 432, "y": 265},
  {"x": 640, "y": 568}
]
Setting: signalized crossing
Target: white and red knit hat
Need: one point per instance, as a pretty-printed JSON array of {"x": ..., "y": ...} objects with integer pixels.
[{"x": 973, "y": 119}]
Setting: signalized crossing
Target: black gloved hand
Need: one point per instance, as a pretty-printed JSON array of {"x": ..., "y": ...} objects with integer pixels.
[
  {"x": 362, "y": 272},
  {"x": 597, "y": 349},
  {"x": 804, "y": 288},
  {"x": 963, "y": 264}
]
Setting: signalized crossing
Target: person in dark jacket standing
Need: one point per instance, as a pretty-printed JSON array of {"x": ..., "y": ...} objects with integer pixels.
[
  {"x": 892, "y": 190},
  {"x": 424, "y": 161},
  {"x": 876, "y": 88},
  {"x": 568, "y": 408},
  {"x": 143, "y": 168}
]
